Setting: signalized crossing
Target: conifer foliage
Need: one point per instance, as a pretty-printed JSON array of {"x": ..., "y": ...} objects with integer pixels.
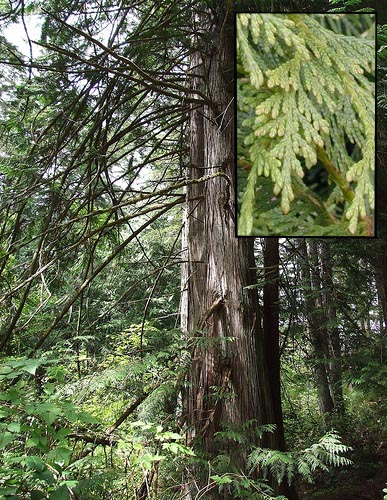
[{"x": 305, "y": 98}]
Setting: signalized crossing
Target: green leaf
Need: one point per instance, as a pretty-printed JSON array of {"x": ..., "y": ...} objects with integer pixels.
[
  {"x": 47, "y": 476},
  {"x": 168, "y": 435},
  {"x": 32, "y": 442},
  {"x": 178, "y": 448},
  {"x": 37, "y": 442},
  {"x": 225, "y": 479},
  {"x": 49, "y": 388},
  {"x": 70, "y": 483},
  {"x": 147, "y": 460},
  {"x": 31, "y": 366},
  {"x": 301, "y": 93},
  {"x": 48, "y": 411},
  {"x": 56, "y": 372},
  {"x": 60, "y": 494},
  {"x": 4, "y": 412},
  {"x": 6, "y": 438},
  {"x": 13, "y": 427},
  {"x": 35, "y": 463},
  {"x": 37, "y": 495},
  {"x": 5, "y": 370},
  {"x": 9, "y": 490},
  {"x": 60, "y": 455},
  {"x": 86, "y": 417}
]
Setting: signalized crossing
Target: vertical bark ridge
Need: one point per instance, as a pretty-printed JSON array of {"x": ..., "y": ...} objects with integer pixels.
[{"x": 228, "y": 381}]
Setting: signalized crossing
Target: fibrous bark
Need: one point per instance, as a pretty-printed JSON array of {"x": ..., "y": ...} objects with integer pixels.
[
  {"x": 228, "y": 381},
  {"x": 317, "y": 331}
]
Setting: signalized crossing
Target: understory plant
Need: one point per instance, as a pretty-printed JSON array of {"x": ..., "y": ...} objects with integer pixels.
[
  {"x": 306, "y": 112},
  {"x": 279, "y": 466},
  {"x": 53, "y": 449}
]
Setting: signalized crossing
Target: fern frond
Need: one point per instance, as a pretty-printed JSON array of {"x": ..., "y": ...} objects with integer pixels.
[{"x": 279, "y": 464}]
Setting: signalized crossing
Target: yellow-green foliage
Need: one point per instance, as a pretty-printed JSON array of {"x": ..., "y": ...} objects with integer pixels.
[{"x": 311, "y": 90}]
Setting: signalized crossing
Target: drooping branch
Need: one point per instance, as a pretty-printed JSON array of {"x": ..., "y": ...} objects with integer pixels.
[
  {"x": 147, "y": 80},
  {"x": 95, "y": 273}
]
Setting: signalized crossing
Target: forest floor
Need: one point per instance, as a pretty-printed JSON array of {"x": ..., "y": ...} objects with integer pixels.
[{"x": 364, "y": 480}]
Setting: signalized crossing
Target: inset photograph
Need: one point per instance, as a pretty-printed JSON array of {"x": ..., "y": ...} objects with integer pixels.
[{"x": 305, "y": 124}]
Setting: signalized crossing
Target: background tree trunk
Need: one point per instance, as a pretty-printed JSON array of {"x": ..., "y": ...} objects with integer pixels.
[
  {"x": 381, "y": 278},
  {"x": 328, "y": 291},
  {"x": 318, "y": 337},
  {"x": 271, "y": 329},
  {"x": 271, "y": 260}
]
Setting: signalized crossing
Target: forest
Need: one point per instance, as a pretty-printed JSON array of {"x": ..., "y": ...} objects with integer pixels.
[{"x": 147, "y": 352}]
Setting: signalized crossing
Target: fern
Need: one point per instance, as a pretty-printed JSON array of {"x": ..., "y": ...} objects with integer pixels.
[
  {"x": 242, "y": 434},
  {"x": 303, "y": 95},
  {"x": 285, "y": 465},
  {"x": 237, "y": 437},
  {"x": 349, "y": 5}
]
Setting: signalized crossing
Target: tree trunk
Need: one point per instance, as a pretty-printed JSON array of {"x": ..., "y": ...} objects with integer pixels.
[
  {"x": 381, "y": 279},
  {"x": 335, "y": 378},
  {"x": 271, "y": 344},
  {"x": 271, "y": 329},
  {"x": 310, "y": 270},
  {"x": 228, "y": 381}
]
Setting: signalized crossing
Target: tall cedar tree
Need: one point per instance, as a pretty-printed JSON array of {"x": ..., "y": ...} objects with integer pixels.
[{"x": 228, "y": 382}]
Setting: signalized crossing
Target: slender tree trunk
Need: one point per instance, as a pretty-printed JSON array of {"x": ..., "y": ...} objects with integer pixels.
[
  {"x": 381, "y": 278},
  {"x": 271, "y": 344},
  {"x": 271, "y": 329},
  {"x": 309, "y": 266},
  {"x": 328, "y": 290},
  {"x": 228, "y": 380}
]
